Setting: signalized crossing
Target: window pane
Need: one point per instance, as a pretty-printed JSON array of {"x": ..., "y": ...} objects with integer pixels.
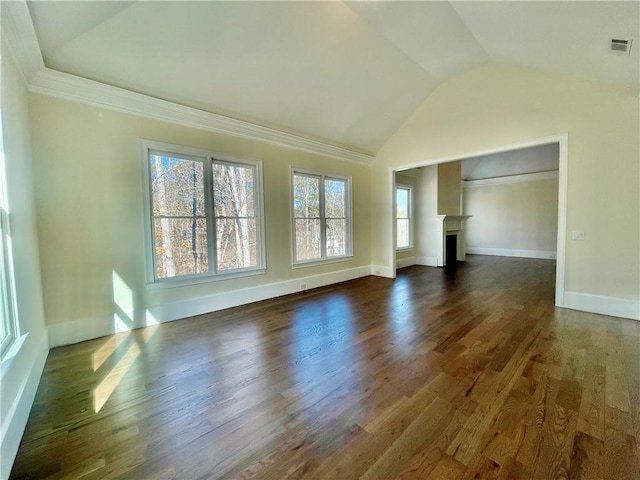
[
  {"x": 233, "y": 191},
  {"x": 5, "y": 307},
  {"x": 306, "y": 196},
  {"x": 181, "y": 247},
  {"x": 403, "y": 233},
  {"x": 335, "y": 198},
  {"x": 237, "y": 243},
  {"x": 307, "y": 239},
  {"x": 402, "y": 202},
  {"x": 336, "y": 237},
  {"x": 176, "y": 187}
]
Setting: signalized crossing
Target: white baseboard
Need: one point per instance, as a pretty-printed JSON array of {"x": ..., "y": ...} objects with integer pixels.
[
  {"x": 76, "y": 331},
  {"x": 615, "y": 307},
  {"x": 17, "y": 415},
  {"x": 508, "y": 252},
  {"x": 405, "y": 262},
  {"x": 427, "y": 261},
  {"x": 382, "y": 271},
  {"x": 80, "y": 330}
]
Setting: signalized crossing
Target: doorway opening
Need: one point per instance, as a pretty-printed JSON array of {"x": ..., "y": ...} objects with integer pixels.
[{"x": 495, "y": 169}]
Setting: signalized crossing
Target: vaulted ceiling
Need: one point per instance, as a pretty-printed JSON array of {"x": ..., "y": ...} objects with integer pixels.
[{"x": 346, "y": 73}]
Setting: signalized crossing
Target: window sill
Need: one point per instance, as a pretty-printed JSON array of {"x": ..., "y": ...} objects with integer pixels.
[
  {"x": 188, "y": 281},
  {"x": 404, "y": 249},
  {"x": 10, "y": 353},
  {"x": 315, "y": 263}
]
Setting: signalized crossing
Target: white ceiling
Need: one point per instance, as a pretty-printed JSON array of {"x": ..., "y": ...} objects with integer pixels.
[
  {"x": 542, "y": 158},
  {"x": 348, "y": 73}
]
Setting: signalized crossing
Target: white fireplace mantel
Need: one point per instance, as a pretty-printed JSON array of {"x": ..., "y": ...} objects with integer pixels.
[{"x": 450, "y": 225}]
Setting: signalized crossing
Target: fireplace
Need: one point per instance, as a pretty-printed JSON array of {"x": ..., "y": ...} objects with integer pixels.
[
  {"x": 451, "y": 252},
  {"x": 451, "y": 236}
]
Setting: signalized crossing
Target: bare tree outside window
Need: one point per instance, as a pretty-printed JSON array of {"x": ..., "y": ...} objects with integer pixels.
[
  {"x": 335, "y": 200},
  {"x": 234, "y": 208},
  {"x": 194, "y": 220},
  {"x": 179, "y": 216},
  {"x": 306, "y": 207},
  {"x": 321, "y": 217}
]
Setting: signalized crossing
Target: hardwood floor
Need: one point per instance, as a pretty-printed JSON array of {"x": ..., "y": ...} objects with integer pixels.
[{"x": 427, "y": 376}]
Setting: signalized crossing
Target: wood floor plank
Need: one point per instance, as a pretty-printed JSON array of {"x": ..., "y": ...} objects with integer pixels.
[{"x": 428, "y": 376}]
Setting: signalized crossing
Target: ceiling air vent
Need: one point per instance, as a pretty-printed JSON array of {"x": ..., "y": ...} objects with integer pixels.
[{"x": 618, "y": 46}]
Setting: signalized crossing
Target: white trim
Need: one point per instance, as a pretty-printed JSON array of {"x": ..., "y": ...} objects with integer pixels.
[
  {"x": 511, "y": 252},
  {"x": 383, "y": 271},
  {"x": 525, "y": 177},
  {"x": 563, "y": 168},
  {"x": 394, "y": 224},
  {"x": 76, "y": 89},
  {"x": 76, "y": 331},
  {"x": 80, "y": 330},
  {"x": 563, "y": 187},
  {"x": 427, "y": 261},
  {"x": 613, "y": 306},
  {"x": 17, "y": 415},
  {"x": 315, "y": 263},
  {"x": 405, "y": 262}
]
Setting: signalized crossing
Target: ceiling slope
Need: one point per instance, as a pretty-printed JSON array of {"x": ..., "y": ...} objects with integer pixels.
[
  {"x": 567, "y": 37},
  {"x": 346, "y": 74}
]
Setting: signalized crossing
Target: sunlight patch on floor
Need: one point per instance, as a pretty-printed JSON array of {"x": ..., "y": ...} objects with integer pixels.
[{"x": 106, "y": 387}]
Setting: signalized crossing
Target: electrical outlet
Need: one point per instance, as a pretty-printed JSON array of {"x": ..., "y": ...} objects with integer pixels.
[
  {"x": 303, "y": 286},
  {"x": 578, "y": 236}
]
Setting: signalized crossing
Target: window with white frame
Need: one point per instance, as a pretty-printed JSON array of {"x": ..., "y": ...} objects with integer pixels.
[
  {"x": 321, "y": 217},
  {"x": 205, "y": 216},
  {"x": 7, "y": 298},
  {"x": 403, "y": 217}
]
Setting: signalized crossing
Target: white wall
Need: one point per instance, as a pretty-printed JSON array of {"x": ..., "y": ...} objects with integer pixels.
[
  {"x": 22, "y": 366},
  {"x": 516, "y": 218},
  {"x": 497, "y": 106}
]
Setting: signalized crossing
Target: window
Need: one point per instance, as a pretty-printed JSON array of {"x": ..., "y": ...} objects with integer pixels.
[
  {"x": 403, "y": 217},
  {"x": 321, "y": 217},
  {"x": 7, "y": 303},
  {"x": 205, "y": 214}
]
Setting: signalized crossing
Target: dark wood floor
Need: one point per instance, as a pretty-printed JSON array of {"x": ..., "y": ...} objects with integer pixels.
[{"x": 427, "y": 376}]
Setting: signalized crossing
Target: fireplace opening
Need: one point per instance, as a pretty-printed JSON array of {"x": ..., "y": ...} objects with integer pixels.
[{"x": 451, "y": 253}]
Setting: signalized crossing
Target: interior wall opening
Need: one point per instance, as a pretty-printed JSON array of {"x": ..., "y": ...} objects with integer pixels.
[{"x": 508, "y": 201}]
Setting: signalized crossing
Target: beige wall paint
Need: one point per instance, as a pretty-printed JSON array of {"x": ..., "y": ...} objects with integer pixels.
[
  {"x": 90, "y": 212},
  {"x": 449, "y": 188},
  {"x": 21, "y": 369},
  {"x": 513, "y": 216},
  {"x": 496, "y": 106}
]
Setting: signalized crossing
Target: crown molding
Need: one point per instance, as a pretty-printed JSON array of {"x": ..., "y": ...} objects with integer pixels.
[
  {"x": 18, "y": 32},
  {"x": 20, "y": 35},
  {"x": 525, "y": 177},
  {"x": 77, "y": 89}
]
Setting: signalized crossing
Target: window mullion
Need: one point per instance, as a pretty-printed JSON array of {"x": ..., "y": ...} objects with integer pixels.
[
  {"x": 323, "y": 221},
  {"x": 209, "y": 211}
]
